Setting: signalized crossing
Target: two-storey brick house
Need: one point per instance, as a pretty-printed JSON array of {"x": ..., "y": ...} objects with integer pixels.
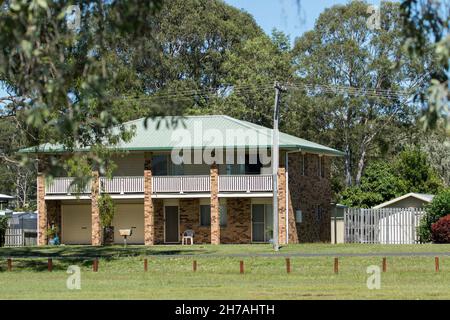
[{"x": 223, "y": 201}]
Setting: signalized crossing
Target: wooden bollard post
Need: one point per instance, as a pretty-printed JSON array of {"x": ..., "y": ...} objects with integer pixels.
[
  {"x": 241, "y": 266},
  {"x": 9, "y": 264},
  {"x": 436, "y": 263},
  {"x": 95, "y": 265},
  {"x": 50, "y": 265},
  {"x": 336, "y": 265},
  {"x": 145, "y": 265},
  {"x": 384, "y": 264},
  {"x": 194, "y": 265},
  {"x": 288, "y": 265}
]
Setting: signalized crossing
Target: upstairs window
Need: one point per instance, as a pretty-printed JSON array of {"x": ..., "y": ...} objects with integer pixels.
[
  {"x": 321, "y": 164},
  {"x": 162, "y": 165},
  {"x": 159, "y": 165},
  {"x": 304, "y": 165}
]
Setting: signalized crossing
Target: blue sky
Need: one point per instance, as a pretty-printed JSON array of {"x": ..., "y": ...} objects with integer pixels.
[{"x": 284, "y": 15}]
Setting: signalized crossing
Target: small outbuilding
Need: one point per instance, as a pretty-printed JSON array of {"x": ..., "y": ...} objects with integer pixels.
[
  {"x": 409, "y": 200},
  {"x": 4, "y": 201},
  {"x": 337, "y": 224}
]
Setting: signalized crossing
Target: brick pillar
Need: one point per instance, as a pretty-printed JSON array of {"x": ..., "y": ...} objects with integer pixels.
[
  {"x": 149, "y": 213},
  {"x": 282, "y": 205},
  {"x": 95, "y": 213},
  {"x": 215, "y": 219},
  {"x": 42, "y": 210}
]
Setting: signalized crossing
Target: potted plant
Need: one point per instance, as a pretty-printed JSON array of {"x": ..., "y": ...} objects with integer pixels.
[
  {"x": 269, "y": 234},
  {"x": 107, "y": 211},
  {"x": 52, "y": 235}
]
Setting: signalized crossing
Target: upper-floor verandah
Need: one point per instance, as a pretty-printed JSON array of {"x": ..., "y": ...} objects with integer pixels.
[{"x": 245, "y": 173}]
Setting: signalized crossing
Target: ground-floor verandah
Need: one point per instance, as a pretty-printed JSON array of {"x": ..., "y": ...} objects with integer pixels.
[{"x": 242, "y": 220}]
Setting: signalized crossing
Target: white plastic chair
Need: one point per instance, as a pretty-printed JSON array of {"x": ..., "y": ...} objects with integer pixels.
[{"x": 188, "y": 234}]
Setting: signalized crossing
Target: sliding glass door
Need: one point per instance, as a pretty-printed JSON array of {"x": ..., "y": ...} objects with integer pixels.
[{"x": 262, "y": 222}]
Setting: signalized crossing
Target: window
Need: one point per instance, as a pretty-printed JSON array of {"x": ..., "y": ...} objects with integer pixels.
[
  {"x": 175, "y": 169},
  {"x": 319, "y": 213},
  {"x": 318, "y": 166},
  {"x": 205, "y": 215},
  {"x": 304, "y": 165},
  {"x": 321, "y": 166},
  {"x": 162, "y": 165},
  {"x": 223, "y": 215},
  {"x": 252, "y": 164},
  {"x": 159, "y": 165},
  {"x": 232, "y": 169}
]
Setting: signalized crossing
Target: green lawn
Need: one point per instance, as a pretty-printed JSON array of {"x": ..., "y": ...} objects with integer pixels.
[{"x": 170, "y": 275}]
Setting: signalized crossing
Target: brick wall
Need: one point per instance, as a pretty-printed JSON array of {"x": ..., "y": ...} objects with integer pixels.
[
  {"x": 307, "y": 193},
  {"x": 158, "y": 207},
  {"x": 190, "y": 219},
  {"x": 238, "y": 228}
]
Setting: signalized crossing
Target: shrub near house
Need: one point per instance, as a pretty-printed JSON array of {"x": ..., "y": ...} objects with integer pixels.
[
  {"x": 438, "y": 208},
  {"x": 440, "y": 230}
]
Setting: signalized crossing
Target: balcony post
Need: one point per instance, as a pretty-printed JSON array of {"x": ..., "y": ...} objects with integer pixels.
[
  {"x": 41, "y": 205},
  {"x": 96, "y": 238},
  {"x": 149, "y": 214},
  {"x": 215, "y": 219},
  {"x": 181, "y": 184},
  {"x": 281, "y": 204}
]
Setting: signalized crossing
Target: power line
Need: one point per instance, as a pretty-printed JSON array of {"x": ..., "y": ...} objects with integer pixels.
[{"x": 321, "y": 88}]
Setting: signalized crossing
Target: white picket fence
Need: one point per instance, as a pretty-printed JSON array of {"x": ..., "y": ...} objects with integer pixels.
[
  {"x": 20, "y": 237},
  {"x": 385, "y": 226}
]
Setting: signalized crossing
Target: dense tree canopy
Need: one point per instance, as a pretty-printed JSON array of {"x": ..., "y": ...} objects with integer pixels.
[
  {"x": 343, "y": 52},
  {"x": 58, "y": 73},
  {"x": 382, "y": 181},
  {"x": 424, "y": 20},
  {"x": 349, "y": 85}
]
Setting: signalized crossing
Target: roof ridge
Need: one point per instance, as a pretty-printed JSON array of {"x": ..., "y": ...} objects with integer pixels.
[
  {"x": 249, "y": 126},
  {"x": 185, "y": 116}
]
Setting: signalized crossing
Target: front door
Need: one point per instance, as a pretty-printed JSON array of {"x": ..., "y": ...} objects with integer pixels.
[{"x": 171, "y": 224}]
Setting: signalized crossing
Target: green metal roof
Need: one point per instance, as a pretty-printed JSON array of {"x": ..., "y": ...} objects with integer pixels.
[{"x": 219, "y": 131}]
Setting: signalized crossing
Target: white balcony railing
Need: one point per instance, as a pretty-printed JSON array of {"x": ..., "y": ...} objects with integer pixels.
[
  {"x": 63, "y": 186},
  {"x": 241, "y": 183},
  {"x": 122, "y": 185},
  {"x": 181, "y": 184},
  {"x": 168, "y": 184}
]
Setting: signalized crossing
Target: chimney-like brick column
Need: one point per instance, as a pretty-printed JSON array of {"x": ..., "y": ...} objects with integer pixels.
[
  {"x": 149, "y": 213},
  {"x": 215, "y": 218},
  {"x": 282, "y": 205},
  {"x": 42, "y": 209},
  {"x": 95, "y": 212}
]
